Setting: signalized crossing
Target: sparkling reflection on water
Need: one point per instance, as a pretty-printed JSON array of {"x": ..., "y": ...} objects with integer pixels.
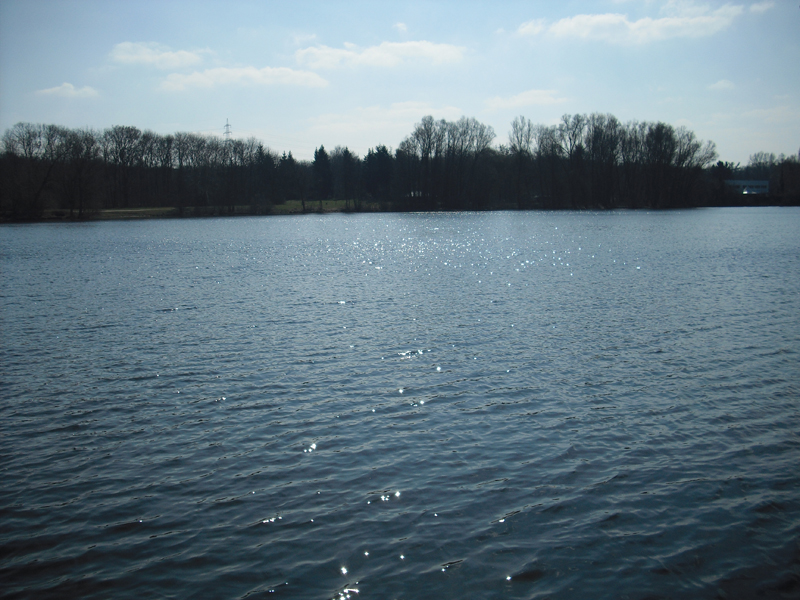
[{"x": 498, "y": 405}]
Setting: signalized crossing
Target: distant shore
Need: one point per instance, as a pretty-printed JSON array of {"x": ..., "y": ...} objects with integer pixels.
[{"x": 585, "y": 162}]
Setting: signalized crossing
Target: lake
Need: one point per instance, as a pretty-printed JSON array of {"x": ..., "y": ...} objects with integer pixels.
[{"x": 464, "y": 405}]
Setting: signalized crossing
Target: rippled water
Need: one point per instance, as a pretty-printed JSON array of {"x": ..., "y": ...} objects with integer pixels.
[{"x": 496, "y": 405}]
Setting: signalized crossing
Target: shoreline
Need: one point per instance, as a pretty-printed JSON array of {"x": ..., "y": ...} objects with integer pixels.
[{"x": 294, "y": 207}]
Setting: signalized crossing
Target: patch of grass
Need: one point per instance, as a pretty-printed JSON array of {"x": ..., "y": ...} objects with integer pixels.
[
  {"x": 290, "y": 207},
  {"x": 136, "y": 213}
]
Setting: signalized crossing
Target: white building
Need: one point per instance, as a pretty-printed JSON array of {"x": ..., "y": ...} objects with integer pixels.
[{"x": 749, "y": 186}]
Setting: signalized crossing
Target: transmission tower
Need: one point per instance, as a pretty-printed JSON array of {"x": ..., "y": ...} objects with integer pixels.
[{"x": 227, "y": 134}]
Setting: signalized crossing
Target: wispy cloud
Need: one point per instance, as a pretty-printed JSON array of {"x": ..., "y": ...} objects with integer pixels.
[
  {"x": 534, "y": 27},
  {"x": 528, "y": 98},
  {"x": 778, "y": 114},
  {"x": 209, "y": 78},
  {"x": 304, "y": 38},
  {"x": 722, "y": 85},
  {"x": 67, "y": 90},
  {"x": 387, "y": 54},
  {"x": 679, "y": 20},
  {"x": 155, "y": 55},
  {"x": 761, "y": 7},
  {"x": 378, "y": 124},
  {"x": 401, "y": 27}
]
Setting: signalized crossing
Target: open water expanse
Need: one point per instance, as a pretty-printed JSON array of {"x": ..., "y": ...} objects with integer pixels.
[{"x": 474, "y": 405}]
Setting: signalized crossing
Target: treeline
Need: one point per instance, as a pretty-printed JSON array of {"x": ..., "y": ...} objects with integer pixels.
[
  {"x": 584, "y": 161},
  {"x": 596, "y": 161},
  {"x": 82, "y": 170}
]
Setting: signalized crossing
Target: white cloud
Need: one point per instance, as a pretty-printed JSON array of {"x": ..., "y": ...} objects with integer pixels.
[
  {"x": 241, "y": 75},
  {"x": 529, "y": 98},
  {"x": 156, "y": 55},
  {"x": 721, "y": 85},
  {"x": 67, "y": 90},
  {"x": 387, "y": 54},
  {"x": 682, "y": 19},
  {"x": 401, "y": 27},
  {"x": 761, "y": 7}
]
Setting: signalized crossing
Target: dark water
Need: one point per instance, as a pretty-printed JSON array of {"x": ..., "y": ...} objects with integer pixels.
[{"x": 500, "y": 405}]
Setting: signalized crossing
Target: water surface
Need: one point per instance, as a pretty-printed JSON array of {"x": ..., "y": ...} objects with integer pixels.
[{"x": 493, "y": 405}]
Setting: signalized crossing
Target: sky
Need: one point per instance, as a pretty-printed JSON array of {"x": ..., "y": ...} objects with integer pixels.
[{"x": 300, "y": 74}]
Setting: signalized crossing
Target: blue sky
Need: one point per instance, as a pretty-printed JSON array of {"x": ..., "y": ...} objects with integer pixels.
[{"x": 358, "y": 74}]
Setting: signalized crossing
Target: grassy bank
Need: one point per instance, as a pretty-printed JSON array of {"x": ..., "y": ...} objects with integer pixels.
[{"x": 290, "y": 207}]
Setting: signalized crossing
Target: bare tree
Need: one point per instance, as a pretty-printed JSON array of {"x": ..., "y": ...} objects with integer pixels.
[
  {"x": 121, "y": 151},
  {"x": 36, "y": 151},
  {"x": 522, "y": 141},
  {"x": 82, "y": 152}
]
